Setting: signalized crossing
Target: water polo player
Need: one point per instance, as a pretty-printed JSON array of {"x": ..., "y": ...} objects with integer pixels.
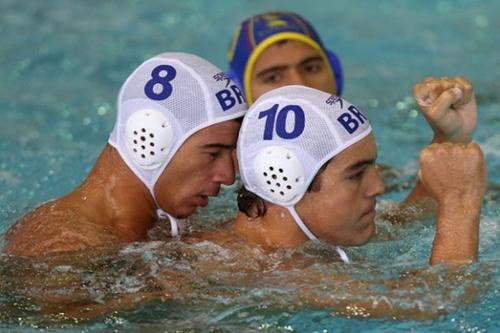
[{"x": 170, "y": 150}]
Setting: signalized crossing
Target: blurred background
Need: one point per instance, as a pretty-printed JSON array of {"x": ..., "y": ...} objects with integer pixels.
[{"x": 62, "y": 64}]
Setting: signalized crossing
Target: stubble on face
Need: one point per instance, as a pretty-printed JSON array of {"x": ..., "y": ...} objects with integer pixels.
[
  {"x": 197, "y": 170},
  {"x": 290, "y": 62},
  {"x": 340, "y": 212}
]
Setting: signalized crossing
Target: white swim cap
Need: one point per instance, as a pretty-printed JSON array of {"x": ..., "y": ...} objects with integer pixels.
[
  {"x": 287, "y": 136},
  {"x": 163, "y": 102}
]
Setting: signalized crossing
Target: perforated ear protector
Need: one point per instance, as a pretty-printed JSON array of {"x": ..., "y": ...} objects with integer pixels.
[
  {"x": 233, "y": 76},
  {"x": 149, "y": 138},
  {"x": 280, "y": 173},
  {"x": 337, "y": 70}
]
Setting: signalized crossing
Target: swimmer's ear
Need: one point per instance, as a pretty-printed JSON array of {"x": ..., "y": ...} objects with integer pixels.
[
  {"x": 315, "y": 184},
  {"x": 337, "y": 70}
]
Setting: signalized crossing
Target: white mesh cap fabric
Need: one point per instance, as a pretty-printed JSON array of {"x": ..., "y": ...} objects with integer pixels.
[
  {"x": 287, "y": 136},
  {"x": 162, "y": 103}
]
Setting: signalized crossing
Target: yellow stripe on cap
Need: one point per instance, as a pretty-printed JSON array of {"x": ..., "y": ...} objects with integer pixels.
[{"x": 270, "y": 41}]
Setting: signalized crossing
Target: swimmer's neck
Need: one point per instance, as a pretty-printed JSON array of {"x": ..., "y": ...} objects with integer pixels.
[
  {"x": 276, "y": 229},
  {"x": 113, "y": 197}
]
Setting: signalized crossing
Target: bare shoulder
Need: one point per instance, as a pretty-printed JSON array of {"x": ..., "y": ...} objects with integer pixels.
[{"x": 49, "y": 229}]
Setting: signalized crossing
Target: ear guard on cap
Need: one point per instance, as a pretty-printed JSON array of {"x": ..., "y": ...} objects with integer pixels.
[
  {"x": 337, "y": 70},
  {"x": 280, "y": 174},
  {"x": 232, "y": 75},
  {"x": 149, "y": 136}
]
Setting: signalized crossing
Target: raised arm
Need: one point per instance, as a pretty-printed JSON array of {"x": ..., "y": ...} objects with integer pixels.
[
  {"x": 449, "y": 106},
  {"x": 455, "y": 176}
]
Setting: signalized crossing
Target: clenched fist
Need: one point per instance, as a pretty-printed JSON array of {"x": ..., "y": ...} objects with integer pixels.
[
  {"x": 449, "y": 106},
  {"x": 454, "y": 173}
]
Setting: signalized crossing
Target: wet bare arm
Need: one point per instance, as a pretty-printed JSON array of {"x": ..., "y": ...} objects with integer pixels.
[
  {"x": 455, "y": 176},
  {"x": 417, "y": 295},
  {"x": 449, "y": 106}
]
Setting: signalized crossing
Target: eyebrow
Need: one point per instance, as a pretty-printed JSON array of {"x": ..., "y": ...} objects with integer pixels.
[
  {"x": 219, "y": 145},
  {"x": 311, "y": 59},
  {"x": 266, "y": 71},
  {"x": 360, "y": 164}
]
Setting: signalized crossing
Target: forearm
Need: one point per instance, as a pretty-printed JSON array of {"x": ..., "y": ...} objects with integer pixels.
[
  {"x": 92, "y": 310},
  {"x": 419, "y": 191},
  {"x": 457, "y": 233},
  {"x": 421, "y": 294},
  {"x": 374, "y": 306}
]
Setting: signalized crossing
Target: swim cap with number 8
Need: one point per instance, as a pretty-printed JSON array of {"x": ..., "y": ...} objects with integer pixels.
[{"x": 163, "y": 102}]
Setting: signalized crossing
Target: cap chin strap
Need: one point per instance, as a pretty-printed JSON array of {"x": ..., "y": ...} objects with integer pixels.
[
  {"x": 311, "y": 236},
  {"x": 174, "y": 228},
  {"x": 163, "y": 215}
]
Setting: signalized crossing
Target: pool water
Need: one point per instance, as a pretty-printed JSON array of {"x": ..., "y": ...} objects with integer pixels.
[{"x": 62, "y": 64}]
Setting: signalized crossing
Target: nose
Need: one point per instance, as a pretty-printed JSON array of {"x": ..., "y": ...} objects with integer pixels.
[
  {"x": 295, "y": 77},
  {"x": 225, "y": 170},
  {"x": 234, "y": 157},
  {"x": 375, "y": 183}
]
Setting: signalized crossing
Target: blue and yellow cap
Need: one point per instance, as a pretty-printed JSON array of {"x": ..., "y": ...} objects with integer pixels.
[{"x": 260, "y": 31}]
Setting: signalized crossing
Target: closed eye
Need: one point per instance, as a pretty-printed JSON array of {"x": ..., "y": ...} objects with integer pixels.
[
  {"x": 213, "y": 154},
  {"x": 357, "y": 175},
  {"x": 215, "y": 150},
  {"x": 356, "y": 171}
]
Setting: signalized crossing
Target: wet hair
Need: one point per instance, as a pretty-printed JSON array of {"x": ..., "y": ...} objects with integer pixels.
[
  {"x": 254, "y": 206},
  {"x": 282, "y": 42},
  {"x": 250, "y": 203}
]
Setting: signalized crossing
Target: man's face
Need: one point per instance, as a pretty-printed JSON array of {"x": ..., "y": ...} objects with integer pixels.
[
  {"x": 290, "y": 62},
  {"x": 197, "y": 170},
  {"x": 341, "y": 210}
]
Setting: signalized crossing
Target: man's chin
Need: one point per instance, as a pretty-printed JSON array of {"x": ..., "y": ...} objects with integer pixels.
[
  {"x": 184, "y": 213},
  {"x": 370, "y": 233},
  {"x": 365, "y": 235}
]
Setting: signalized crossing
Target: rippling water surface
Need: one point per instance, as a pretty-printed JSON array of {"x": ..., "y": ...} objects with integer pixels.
[{"x": 61, "y": 66}]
